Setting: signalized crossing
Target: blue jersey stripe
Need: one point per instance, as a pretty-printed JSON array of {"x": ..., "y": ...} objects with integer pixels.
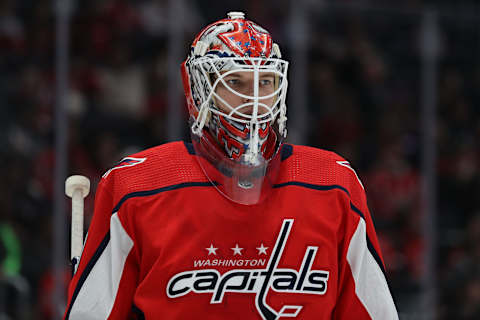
[
  {"x": 312, "y": 186},
  {"x": 87, "y": 270},
  {"x": 160, "y": 190},
  {"x": 370, "y": 246}
]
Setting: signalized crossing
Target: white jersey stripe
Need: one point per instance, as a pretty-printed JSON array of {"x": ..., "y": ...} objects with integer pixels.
[
  {"x": 370, "y": 283},
  {"x": 97, "y": 295}
]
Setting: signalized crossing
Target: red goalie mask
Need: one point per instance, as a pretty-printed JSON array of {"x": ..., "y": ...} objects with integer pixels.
[{"x": 236, "y": 84}]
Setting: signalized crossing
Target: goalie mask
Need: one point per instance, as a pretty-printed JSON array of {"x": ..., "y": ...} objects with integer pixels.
[{"x": 235, "y": 83}]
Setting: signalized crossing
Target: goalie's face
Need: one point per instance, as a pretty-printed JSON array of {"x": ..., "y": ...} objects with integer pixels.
[
  {"x": 239, "y": 100},
  {"x": 245, "y": 102},
  {"x": 237, "y": 90}
]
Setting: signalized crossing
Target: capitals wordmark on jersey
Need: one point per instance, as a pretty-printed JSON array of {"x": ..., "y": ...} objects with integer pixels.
[
  {"x": 174, "y": 248},
  {"x": 257, "y": 281}
]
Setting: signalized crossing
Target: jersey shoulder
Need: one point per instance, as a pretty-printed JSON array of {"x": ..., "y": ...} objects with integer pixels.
[
  {"x": 320, "y": 167},
  {"x": 154, "y": 168}
]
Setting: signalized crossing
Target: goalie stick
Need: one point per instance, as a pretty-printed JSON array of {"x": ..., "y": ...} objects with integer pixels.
[{"x": 77, "y": 187}]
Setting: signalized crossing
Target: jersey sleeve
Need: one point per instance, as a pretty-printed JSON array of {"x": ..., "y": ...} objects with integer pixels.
[
  {"x": 105, "y": 281},
  {"x": 363, "y": 288}
]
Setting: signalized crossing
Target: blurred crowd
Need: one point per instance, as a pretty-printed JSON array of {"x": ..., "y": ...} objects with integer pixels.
[{"x": 364, "y": 102}]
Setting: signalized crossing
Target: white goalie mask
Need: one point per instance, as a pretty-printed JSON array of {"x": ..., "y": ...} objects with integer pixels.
[{"x": 235, "y": 83}]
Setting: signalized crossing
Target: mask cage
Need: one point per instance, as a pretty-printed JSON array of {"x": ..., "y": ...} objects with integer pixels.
[{"x": 203, "y": 91}]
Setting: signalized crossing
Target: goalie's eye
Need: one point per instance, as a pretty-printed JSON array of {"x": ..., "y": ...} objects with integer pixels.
[
  {"x": 233, "y": 82},
  {"x": 266, "y": 82}
]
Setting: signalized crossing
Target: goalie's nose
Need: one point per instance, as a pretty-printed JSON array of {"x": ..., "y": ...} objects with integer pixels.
[{"x": 248, "y": 107}]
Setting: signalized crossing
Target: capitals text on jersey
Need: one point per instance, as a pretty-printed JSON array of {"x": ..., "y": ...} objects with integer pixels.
[{"x": 258, "y": 281}]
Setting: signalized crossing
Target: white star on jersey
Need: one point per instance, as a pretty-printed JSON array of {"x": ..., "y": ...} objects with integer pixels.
[
  {"x": 237, "y": 250},
  {"x": 211, "y": 250},
  {"x": 262, "y": 249}
]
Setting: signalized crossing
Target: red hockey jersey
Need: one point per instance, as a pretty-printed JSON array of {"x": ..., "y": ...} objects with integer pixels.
[{"x": 165, "y": 244}]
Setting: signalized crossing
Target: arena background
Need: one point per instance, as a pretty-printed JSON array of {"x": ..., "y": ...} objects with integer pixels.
[{"x": 393, "y": 86}]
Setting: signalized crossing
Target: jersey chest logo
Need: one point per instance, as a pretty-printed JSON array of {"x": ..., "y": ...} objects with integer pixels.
[{"x": 257, "y": 281}]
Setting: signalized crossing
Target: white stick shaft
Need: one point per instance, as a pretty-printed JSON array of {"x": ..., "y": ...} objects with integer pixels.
[{"x": 77, "y": 224}]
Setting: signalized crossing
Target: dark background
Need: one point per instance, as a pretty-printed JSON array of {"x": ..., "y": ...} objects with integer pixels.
[{"x": 361, "y": 93}]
